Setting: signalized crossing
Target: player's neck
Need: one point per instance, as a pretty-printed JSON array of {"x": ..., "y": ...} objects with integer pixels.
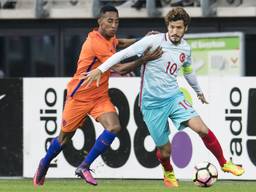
[
  {"x": 175, "y": 42},
  {"x": 103, "y": 34}
]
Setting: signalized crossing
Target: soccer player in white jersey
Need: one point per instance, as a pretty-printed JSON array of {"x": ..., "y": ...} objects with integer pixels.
[{"x": 160, "y": 97}]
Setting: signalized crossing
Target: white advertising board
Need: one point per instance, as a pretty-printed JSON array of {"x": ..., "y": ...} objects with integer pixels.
[{"x": 133, "y": 157}]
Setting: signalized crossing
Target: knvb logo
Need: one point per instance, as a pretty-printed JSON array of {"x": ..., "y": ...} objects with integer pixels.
[{"x": 251, "y": 125}]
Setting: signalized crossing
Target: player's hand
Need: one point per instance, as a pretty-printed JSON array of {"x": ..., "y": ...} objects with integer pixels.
[
  {"x": 152, "y": 55},
  {"x": 202, "y": 98},
  {"x": 152, "y": 33},
  {"x": 91, "y": 76}
]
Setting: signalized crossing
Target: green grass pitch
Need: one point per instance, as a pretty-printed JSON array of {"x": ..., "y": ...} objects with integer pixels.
[{"x": 77, "y": 185}]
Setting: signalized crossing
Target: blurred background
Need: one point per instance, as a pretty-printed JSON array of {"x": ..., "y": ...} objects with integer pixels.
[{"x": 42, "y": 38}]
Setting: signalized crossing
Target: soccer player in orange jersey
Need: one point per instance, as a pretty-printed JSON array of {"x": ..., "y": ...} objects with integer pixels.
[{"x": 92, "y": 100}]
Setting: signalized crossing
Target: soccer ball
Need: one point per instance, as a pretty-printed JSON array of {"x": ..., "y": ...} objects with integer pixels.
[{"x": 205, "y": 174}]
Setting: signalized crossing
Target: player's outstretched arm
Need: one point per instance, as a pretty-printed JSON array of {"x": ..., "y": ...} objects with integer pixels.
[
  {"x": 95, "y": 74},
  {"x": 130, "y": 66},
  {"x": 123, "y": 43},
  {"x": 135, "y": 49},
  {"x": 152, "y": 33}
]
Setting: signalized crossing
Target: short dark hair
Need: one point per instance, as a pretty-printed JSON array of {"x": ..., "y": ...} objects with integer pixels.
[
  {"x": 107, "y": 8},
  {"x": 176, "y": 14}
]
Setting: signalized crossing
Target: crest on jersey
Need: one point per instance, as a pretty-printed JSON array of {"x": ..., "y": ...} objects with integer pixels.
[{"x": 182, "y": 57}]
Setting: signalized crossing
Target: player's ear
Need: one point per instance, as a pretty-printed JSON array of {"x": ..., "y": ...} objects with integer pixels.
[{"x": 99, "y": 20}]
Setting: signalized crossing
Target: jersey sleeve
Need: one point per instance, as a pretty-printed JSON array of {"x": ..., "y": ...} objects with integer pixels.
[
  {"x": 135, "y": 49},
  {"x": 189, "y": 74}
]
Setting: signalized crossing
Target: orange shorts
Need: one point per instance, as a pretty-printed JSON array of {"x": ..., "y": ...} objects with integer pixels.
[{"x": 75, "y": 111}]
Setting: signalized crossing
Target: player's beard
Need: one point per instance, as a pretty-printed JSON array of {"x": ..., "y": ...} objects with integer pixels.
[
  {"x": 176, "y": 40},
  {"x": 110, "y": 33}
]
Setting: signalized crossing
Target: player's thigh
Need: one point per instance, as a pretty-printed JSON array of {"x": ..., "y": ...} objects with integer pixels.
[
  {"x": 197, "y": 125},
  {"x": 104, "y": 112},
  {"x": 110, "y": 121},
  {"x": 74, "y": 114},
  {"x": 181, "y": 111},
  {"x": 157, "y": 123}
]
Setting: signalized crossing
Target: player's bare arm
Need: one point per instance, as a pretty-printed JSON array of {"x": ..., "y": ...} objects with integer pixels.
[
  {"x": 123, "y": 43},
  {"x": 130, "y": 66}
]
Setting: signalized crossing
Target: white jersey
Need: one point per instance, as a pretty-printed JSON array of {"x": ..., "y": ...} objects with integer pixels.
[{"x": 158, "y": 83}]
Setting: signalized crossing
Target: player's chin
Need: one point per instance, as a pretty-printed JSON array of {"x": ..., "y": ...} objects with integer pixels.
[
  {"x": 175, "y": 40},
  {"x": 111, "y": 33}
]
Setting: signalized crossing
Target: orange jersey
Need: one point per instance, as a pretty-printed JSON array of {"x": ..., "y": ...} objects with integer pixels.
[{"x": 95, "y": 50}]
